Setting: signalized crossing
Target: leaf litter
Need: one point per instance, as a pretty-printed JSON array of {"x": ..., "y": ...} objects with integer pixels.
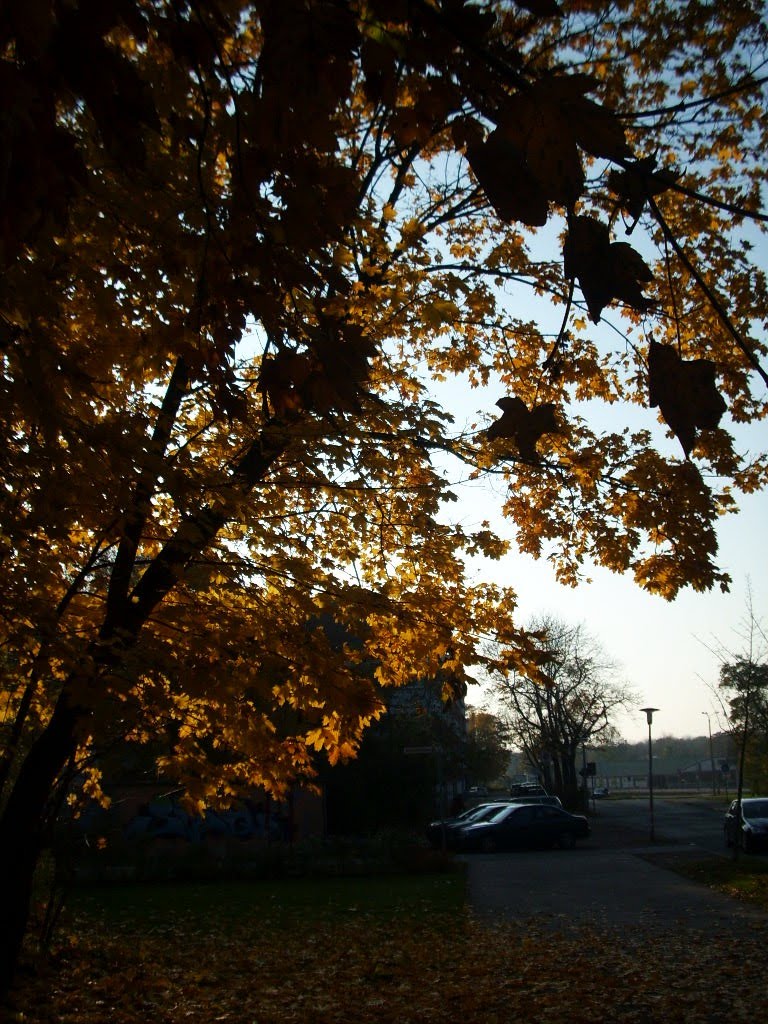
[{"x": 358, "y": 967}]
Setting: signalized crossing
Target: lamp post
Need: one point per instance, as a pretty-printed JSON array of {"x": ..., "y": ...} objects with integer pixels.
[
  {"x": 711, "y": 753},
  {"x": 649, "y": 717}
]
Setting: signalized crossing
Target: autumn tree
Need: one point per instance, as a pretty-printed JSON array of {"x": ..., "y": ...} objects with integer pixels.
[
  {"x": 488, "y": 747},
  {"x": 552, "y": 720},
  {"x": 241, "y": 243}
]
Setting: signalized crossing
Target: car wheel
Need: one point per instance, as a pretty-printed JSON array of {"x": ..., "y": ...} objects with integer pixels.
[
  {"x": 566, "y": 841},
  {"x": 488, "y": 845}
]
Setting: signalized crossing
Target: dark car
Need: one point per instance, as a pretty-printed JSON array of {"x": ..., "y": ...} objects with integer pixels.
[
  {"x": 519, "y": 789},
  {"x": 452, "y": 825},
  {"x": 523, "y": 825},
  {"x": 751, "y": 833},
  {"x": 553, "y": 800}
]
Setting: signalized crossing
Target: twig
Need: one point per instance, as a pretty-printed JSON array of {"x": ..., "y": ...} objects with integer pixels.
[{"x": 558, "y": 341}]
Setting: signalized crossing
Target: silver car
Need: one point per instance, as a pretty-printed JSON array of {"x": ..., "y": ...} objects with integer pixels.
[{"x": 750, "y": 829}]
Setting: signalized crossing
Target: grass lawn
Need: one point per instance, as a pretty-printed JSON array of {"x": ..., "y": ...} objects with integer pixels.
[
  {"x": 278, "y": 904},
  {"x": 745, "y": 879}
]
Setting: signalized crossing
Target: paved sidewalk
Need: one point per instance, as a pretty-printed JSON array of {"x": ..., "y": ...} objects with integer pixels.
[{"x": 613, "y": 887}]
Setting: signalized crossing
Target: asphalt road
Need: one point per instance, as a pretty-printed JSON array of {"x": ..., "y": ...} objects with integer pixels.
[
  {"x": 685, "y": 821},
  {"x": 616, "y": 877}
]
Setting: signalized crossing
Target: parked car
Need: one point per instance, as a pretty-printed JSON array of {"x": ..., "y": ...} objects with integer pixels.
[
  {"x": 520, "y": 825},
  {"x": 518, "y": 789},
  {"x": 751, "y": 832},
  {"x": 554, "y": 801},
  {"x": 600, "y": 791},
  {"x": 451, "y": 825}
]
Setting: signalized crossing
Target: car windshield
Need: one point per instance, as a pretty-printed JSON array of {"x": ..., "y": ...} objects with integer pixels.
[
  {"x": 755, "y": 808},
  {"x": 469, "y": 814},
  {"x": 486, "y": 813},
  {"x": 502, "y": 812},
  {"x": 480, "y": 813}
]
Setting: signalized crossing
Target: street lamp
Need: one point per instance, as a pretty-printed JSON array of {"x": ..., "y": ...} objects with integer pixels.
[
  {"x": 711, "y": 753},
  {"x": 649, "y": 718}
]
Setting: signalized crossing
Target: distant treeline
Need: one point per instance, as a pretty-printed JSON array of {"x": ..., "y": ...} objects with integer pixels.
[{"x": 675, "y": 748}]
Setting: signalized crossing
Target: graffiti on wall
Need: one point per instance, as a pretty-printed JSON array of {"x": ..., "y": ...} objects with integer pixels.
[{"x": 166, "y": 819}]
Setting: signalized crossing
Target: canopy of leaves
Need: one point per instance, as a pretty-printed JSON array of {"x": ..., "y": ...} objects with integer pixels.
[{"x": 240, "y": 240}]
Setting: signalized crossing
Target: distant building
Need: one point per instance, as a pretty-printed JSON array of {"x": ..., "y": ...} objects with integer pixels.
[{"x": 669, "y": 772}]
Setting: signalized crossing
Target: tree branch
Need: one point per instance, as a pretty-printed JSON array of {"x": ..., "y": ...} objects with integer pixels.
[
  {"x": 713, "y": 299},
  {"x": 136, "y": 518},
  {"x": 199, "y": 528}
]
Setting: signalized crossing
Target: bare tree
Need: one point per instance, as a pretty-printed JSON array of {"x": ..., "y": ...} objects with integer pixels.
[{"x": 551, "y": 720}]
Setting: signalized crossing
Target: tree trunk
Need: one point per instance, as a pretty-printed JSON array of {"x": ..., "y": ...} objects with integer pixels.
[
  {"x": 568, "y": 779},
  {"x": 17, "y": 730},
  {"x": 557, "y": 772},
  {"x": 23, "y": 830}
]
